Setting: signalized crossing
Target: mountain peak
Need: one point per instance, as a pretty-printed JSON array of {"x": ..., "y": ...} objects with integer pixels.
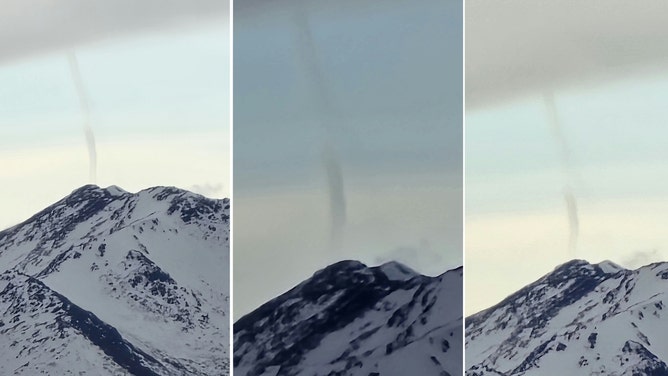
[
  {"x": 115, "y": 190},
  {"x": 93, "y": 195},
  {"x": 606, "y": 266},
  {"x": 159, "y": 192},
  {"x": 580, "y": 319},
  {"x": 610, "y": 267},
  {"x": 573, "y": 264},
  {"x": 72, "y": 274},
  {"x": 344, "y": 265},
  {"x": 85, "y": 191},
  {"x": 350, "y": 319},
  {"x": 396, "y": 271}
]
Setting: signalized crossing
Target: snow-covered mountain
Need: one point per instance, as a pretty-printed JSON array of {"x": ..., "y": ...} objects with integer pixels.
[
  {"x": 581, "y": 319},
  {"x": 106, "y": 282},
  {"x": 350, "y": 319}
]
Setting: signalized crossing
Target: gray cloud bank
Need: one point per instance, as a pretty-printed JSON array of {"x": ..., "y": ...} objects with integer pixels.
[
  {"x": 31, "y": 27},
  {"x": 85, "y": 109},
  {"x": 515, "y": 47}
]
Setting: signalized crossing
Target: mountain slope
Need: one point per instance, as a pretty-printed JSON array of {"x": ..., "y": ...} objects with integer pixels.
[
  {"x": 581, "y": 319},
  {"x": 349, "y": 319},
  {"x": 109, "y": 280}
]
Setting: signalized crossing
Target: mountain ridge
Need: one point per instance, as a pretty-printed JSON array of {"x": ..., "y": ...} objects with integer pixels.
[
  {"x": 142, "y": 267},
  {"x": 351, "y": 319},
  {"x": 581, "y": 318}
]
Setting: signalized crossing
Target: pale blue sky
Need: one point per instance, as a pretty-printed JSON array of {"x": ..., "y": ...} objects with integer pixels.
[
  {"x": 516, "y": 218},
  {"x": 612, "y": 127},
  {"x": 159, "y": 109},
  {"x": 173, "y": 81}
]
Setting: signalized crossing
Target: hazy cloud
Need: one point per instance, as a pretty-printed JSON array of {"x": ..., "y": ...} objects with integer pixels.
[
  {"x": 208, "y": 189},
  {"x": 641, "y": 258},
  {"x": 419, "y": 257}
]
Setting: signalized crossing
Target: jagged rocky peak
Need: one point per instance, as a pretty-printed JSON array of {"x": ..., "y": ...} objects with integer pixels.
[
  {"x": 351, "y": 277},
  {"x": 397, "y": 271},
  {"x": 92, "y": 209},
  {"x": 605, "y": 266},
  {"x": 342, "y": 273},
  {"x": 88, "y": 200},
  {"x": 608, "y": 266},
  {"x": 574, "y": 264},
  {"x": 586, "y": 275},
  {"x": 116, "y": 190},
  {"x": 337, "y": 281},
  {"x": 92, "y": 191}
]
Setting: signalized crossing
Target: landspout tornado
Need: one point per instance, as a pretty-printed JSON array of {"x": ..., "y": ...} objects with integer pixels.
[
  {"x": 325, "y": 113},
  {"x": 573, "y": 221},
  {"x": 336, "y": 195},
  {"x": 83, "y": 102},
  {"x": 568, "y": 172}
]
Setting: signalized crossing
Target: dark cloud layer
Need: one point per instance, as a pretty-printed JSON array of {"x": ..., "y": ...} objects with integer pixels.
[
  {"x": 32, "y": 27},
  {"x": 522, "y": 47}
]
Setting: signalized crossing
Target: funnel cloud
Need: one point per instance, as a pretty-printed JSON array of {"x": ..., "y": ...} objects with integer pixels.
[
  {"x": 337, "y": 197},
  {"x": 85, "y": 109},
  {"x": 322, "y": 104},
  {"x": 566, "y": 164},
  {"x": 573, "y": 221}
]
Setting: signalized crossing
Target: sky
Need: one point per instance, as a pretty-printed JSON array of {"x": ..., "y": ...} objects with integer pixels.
[
  {"x": 159, "y": 110},
  {"x": 564, "y": 139},
  {"x": 517, "y": 224},
  {"x": 357, "y": 104}
]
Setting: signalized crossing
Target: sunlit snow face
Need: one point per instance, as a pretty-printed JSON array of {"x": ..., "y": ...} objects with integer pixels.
[
  {"x": 159, "y": 113},
  {"x": 355, "y": 106}
]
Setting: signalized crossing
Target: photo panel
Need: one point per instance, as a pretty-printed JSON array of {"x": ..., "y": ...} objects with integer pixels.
[
  {"x": 565, "y": 194},
  {"x": 348, "y": 187},
  {"x": 114, "y": 188}
]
